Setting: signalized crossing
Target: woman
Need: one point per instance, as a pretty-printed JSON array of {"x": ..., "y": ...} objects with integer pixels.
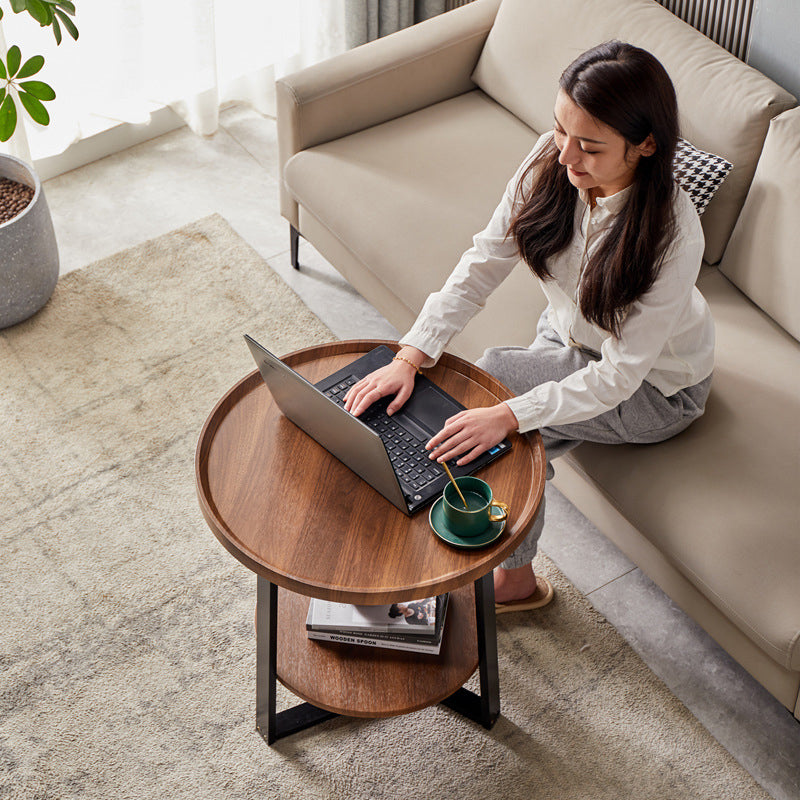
[{"x": 624, "y": 349}]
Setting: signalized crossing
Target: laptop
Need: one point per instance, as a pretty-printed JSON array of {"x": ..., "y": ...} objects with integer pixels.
[{"x": 388, "y": 452}]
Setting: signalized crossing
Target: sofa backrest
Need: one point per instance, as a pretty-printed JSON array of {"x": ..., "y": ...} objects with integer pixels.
[
  {"x": 725, "y": 105},
  {"x": 762, "y": 256}
]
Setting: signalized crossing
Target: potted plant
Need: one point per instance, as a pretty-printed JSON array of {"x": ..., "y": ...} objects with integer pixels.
[{"x": 28, "y": 251}]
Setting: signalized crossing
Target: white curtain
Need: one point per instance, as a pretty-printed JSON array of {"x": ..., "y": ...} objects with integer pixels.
[{"x": 135, "y": 56}]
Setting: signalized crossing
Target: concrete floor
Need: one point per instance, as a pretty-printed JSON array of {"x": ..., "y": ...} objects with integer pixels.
[{"x": 172, "y": 180}]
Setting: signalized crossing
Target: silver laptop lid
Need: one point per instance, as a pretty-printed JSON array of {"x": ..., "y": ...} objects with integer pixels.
[{"x": 338, "y": 431}]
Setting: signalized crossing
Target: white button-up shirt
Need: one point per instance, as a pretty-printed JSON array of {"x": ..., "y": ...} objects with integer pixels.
[{"x": 666, "y": 337}]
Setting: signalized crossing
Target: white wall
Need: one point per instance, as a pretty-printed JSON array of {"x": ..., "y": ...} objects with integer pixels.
[{"x": 775, "y": 42}]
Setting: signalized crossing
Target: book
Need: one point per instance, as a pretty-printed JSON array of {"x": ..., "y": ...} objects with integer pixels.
[
  {"x": 366, "y": 640},
  {"x": 400, "y": 636},
  {"x": 414, "y": 618}
]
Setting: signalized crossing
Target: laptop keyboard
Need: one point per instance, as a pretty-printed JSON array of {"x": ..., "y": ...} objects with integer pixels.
[{"x": 408, "y": 455}]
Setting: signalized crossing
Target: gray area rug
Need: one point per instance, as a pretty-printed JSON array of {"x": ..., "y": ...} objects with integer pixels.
[{"x": 127, "y": 652}]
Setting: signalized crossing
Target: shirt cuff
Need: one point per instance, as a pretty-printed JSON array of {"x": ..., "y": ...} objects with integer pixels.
[
  {"x": 431, "y": 346},
  {"x": 527, "y": 411}
]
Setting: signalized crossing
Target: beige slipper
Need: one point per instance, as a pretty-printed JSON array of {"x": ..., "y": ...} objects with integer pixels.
[{"x": 541, "y": 597}]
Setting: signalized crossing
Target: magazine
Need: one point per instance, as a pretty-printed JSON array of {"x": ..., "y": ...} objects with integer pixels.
[
  {"x": 415, "y": 617},
  {"x": 402, "y": 635}
]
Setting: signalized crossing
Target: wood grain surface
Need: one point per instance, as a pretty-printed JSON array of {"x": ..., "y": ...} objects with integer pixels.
[
  {"x": 291, "y": 512},
  {"x": 374, "y": 682}
]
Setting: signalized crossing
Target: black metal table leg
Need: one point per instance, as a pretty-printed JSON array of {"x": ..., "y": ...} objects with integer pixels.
[
  {"x": 483, "y": 708},
  {"x": 487, "y": 650},
  {"x": 270, "y": 724}
]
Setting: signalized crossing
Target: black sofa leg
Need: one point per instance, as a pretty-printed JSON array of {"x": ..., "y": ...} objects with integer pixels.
[{"x": 294, "y": 243}]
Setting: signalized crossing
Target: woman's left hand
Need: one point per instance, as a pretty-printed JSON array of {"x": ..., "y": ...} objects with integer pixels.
[{"x": 472, "y": 432}]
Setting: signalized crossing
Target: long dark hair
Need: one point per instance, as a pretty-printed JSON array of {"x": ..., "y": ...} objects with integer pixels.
[{"x": 629, "y": 90}]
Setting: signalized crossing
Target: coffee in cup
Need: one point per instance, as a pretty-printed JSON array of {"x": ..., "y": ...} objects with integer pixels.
[{"x": 478, "y": 514}]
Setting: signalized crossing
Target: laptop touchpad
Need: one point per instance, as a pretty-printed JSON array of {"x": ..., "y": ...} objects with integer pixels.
[{"x": 429, "y": 408}]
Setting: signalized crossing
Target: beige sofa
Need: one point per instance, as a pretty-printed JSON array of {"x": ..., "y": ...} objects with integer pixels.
[{"x": 395, "y": 153}]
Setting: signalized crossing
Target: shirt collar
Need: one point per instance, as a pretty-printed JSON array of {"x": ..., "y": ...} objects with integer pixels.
[{"x": 612, "y": 204}]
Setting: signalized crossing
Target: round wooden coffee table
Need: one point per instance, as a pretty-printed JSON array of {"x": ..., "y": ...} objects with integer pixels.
[{"x": 303, "y": 522}]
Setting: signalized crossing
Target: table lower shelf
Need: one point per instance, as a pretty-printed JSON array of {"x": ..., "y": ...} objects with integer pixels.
[{"x": 361, "y": 681}]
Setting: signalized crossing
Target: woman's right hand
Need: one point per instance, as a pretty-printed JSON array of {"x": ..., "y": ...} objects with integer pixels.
[{"x": 396, "y": 378}]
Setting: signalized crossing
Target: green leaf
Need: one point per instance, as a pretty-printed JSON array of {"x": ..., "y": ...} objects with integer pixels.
[
  {"x": 65, "y": 4},
  {"x": 38, "y": 89},
  {"x": 48, "y": 9},
  {"x": 3, "y": 75},
  {"x": 56, "y": 30},
  {"x": 68, "y": 23},
  {"x": 8, "y": 119},
  {"x": 31, "y": 67},
  {"x": 13, "y": 60},
  {"x": 2, "y": 94},
  {"x": 37, "y": 111},
  {"x": 1, "y": 13},
  {"x": 39, "y": 12},
  {"x": 18, "y": 6}
]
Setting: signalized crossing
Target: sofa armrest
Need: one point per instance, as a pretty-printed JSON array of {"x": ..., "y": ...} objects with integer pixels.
[{"x": 409, "y": 70}]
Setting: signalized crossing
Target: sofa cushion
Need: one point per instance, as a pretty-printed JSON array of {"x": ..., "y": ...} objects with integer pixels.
[
  {"x": 725, "y": 105},
  {"x": 763, "y": 252},
  {"x": 721, "y": 500},
  {"x": 700, "y": 174},
  {"x": 408, "y": 195}
]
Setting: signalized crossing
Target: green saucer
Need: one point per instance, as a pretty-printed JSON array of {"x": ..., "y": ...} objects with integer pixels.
[{"x": 439, "y": 526}]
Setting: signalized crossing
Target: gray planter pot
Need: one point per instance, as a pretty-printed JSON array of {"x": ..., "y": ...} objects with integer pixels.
[{"x": 28, "y": 251}]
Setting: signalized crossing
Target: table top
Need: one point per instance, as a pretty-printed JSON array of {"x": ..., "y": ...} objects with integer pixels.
[{"x": 294, "y": 514}]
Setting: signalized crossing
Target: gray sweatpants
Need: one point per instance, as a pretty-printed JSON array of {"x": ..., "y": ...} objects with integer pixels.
[{"x": 645, "y": 418}]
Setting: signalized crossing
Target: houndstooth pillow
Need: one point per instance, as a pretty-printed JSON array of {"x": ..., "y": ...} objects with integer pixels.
[{"x": 699, "y": 173}]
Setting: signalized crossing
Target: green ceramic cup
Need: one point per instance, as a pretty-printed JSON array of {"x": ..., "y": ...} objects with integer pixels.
[{"x": 482, "y": 509}]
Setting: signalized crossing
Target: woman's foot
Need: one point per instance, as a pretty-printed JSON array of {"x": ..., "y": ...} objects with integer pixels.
[
  {"x": 520, "y": 590},
  {"x": 513, "y": 584}
]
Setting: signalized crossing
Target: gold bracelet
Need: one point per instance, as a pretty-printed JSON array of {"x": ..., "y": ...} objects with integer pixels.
[{"x": 408, "y": 361}]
